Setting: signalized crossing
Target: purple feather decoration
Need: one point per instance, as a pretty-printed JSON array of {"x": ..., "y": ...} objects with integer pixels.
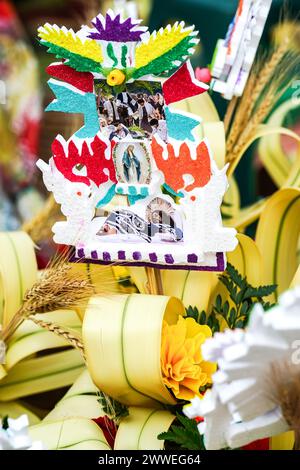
[{"x": 114, "y": 30}]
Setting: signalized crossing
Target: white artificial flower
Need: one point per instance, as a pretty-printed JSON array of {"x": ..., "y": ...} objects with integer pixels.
[{"x": 241, "y": 407}]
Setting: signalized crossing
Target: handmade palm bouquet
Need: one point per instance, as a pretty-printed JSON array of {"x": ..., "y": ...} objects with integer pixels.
[{"x": 132, "y": 313}]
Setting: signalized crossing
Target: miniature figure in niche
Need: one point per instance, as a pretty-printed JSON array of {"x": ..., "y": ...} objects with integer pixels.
[
  {"x": 132, "y": 162},
  {"x": 129, "y": 226},
  {"x": 162, "y": 213},
  {"x": 131, "y": 166}
]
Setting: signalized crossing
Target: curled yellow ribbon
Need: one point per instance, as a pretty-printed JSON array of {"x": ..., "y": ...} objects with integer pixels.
[
  {"x": 139, "y": 430},
  {"x": 122, "y": 338}
]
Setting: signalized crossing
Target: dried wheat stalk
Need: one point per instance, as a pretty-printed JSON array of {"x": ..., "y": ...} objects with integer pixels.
[
  {"x": 251, "y": 126},
  {"x": 73, "y": 339},
  {"x": 266, "y": 85},
  {"x": 59, "y": 287},
  {"x": 269, "y": 78}
]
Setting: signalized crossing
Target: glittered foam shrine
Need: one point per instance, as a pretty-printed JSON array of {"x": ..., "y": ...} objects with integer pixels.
[{"x": 136, "y": 183}]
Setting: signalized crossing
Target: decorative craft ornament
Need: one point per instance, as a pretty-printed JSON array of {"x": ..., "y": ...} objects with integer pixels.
[
  {"x": 243, "y": 404},
  {"x": 234, "y": 55},
  {"x": 138, "y": 183}
]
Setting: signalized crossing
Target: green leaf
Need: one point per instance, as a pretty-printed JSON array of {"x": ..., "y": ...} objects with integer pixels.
[
  {"x": 213, "y": 323},
  {"x": 233, "y": 295},
  {"x": 218, "y": 303},
  {"x": 5, "y": 423},
  {"x": 262, "y": 291},
  {"x": 216, "y": 326},
  {"x": 225, "y": 309},
  {"x": 112, "y": 408},
  {"x": 192, "y": 312},
  {"x": 189, "y": 311},
  {"x": 240, "y": 324},
  {"x": 202, "y": 318},
  {"x": 232, "y": 316},
  {"x": 235, "y": 275},
  {"x": 267, "y": 306},
  {"x": 226, "y": 204},
  {"x": 186, "y": 435},
  {"x": 245, "y": 308},
  {"x": 242, "y": 294},
  {"x": 226, "y": 216}
]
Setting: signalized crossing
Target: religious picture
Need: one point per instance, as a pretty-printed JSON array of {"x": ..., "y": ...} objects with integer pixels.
[{"x": 132, "y": 162}]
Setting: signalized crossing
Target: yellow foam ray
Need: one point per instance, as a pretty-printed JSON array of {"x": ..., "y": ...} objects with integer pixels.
[
  {"x": 160, "y": 43},
  {"x": 67, "y": 39}
]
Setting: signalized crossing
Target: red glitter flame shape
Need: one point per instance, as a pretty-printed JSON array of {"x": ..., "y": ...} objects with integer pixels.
[
  {"x": 174, "y": 167},
  {"x": 94, "y": 160}
]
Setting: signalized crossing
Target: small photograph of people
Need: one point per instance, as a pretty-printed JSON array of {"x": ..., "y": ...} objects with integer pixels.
[{"x": 137, "y": 112}]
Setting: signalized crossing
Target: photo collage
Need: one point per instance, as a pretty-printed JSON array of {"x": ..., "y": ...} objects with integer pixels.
[{"x": 137, "y": 112}]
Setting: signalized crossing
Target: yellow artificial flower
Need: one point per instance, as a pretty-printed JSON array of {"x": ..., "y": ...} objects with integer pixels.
[
  {"x": 115, "y": 77},
  {"x": 183, "y": 368}
]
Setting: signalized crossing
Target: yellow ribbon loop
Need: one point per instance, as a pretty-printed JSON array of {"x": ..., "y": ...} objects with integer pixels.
[
  {"x": 30, "y": 338},
  {"x": 70, "y": 434},
  {"x": 81, "y": 401},
  {"x": 296, "y": 279},
  {"x": 247, "y": 259},
  {"x": 231, "y": 203},
  {"x": 191, "y": 287},
  {"x": 270, "y": 149},
  {"x": 140, "y": 429},
  {"x": 122, "y": 338},
  {"x": 277, "y": 238},
  {"x": 41, "y": 374},
  {"x": 18, "y": 271},
  {"x": 263, "y": 131}
]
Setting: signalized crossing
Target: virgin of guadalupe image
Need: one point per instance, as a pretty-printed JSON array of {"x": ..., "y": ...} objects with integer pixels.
[{"x": 131, "y": 165}]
